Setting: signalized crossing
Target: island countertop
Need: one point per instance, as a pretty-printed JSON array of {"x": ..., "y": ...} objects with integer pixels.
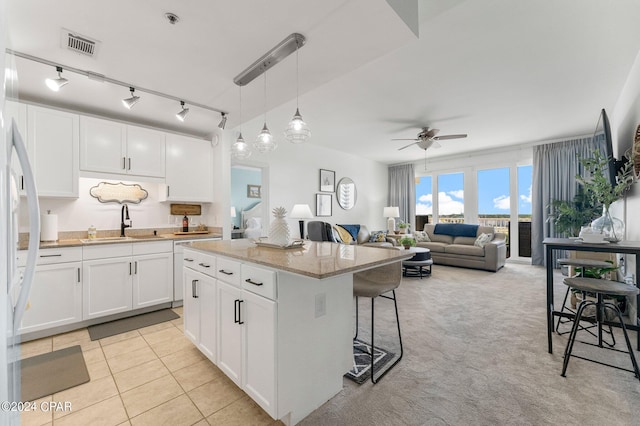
[{"x": 316, "y": 259}]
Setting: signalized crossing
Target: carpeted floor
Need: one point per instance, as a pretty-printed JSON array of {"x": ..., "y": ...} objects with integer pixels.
[{"x": 476, "y": 354}]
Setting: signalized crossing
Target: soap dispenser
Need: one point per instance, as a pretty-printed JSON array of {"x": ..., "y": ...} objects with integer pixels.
[{"x": 92, "y": 232}]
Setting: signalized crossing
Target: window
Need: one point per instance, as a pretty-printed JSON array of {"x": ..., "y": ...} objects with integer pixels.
[
  {"x": 424, "y": 201},
  {"x": 494, "y": 201},
  {"x": 525, "y": 177},
  {"x": 451, "y": 198}
]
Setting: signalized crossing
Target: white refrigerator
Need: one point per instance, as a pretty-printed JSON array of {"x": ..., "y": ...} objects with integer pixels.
[{"x": 15, "y": 285}]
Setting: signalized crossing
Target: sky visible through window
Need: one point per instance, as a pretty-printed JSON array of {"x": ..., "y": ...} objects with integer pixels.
[
  {"x": 451, "y": 194},
  {"x": 493, "y": 191},
  {"x": 525, "y": 177}
]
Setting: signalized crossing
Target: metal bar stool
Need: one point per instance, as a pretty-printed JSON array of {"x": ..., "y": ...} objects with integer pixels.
[
  {"x": 600, "y": 288},
  {"x": 582, "y": 264},
  {"x": 375, "y": 283}
]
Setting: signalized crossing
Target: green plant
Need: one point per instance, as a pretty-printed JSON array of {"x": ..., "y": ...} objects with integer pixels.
[
  {"x": 597, "y": 185},
  {"x": 569, "y": 216},
  {"x": 403, "y": 225},
  {"x": 407, "y": 242}
]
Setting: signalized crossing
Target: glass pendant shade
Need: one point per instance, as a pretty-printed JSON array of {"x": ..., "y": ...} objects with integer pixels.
[
  {"x": 240, "y": 149},
  {"x": 297, "y": 131},
  {"x": 264, "y": 142}
]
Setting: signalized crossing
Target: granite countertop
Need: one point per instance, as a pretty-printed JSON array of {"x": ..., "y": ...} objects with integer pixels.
[
  {"x": 76, "y": 242},
  {"x": 316, "y": 259}
]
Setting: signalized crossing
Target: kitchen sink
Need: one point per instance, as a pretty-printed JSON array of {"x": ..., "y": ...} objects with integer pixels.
[
  {"x": 146, "y": 237},
  {"x": 106, "y": 240}
]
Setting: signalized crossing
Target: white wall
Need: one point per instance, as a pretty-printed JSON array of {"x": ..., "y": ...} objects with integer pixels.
[{"x": 79, "y": 214}]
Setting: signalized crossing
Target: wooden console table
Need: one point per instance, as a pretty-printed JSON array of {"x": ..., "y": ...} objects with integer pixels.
[{"x": 623, "y": 247}]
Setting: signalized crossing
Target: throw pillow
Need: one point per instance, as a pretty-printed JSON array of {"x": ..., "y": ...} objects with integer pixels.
[
  {"x": 345, "y": 236},
  {"x": 378, "y": 237},
  {"x": 421, "y": 237},
  {"x": 482, "y": 240}
]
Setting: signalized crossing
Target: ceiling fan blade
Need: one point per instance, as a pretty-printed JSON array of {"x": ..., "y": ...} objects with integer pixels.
[
  {"x": 435, "y": 144},
  {"x": 411, "y": 144},
  {"x": 440, "y": 138},
  {"x": 414, "y": 139},
  {"x": 432, "y": 132}
]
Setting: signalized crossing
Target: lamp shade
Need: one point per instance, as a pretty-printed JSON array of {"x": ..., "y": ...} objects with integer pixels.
[
  {"x": 301, "y": 211},
  {"x": 233, "y": 212},
  {"x": 391, "y": 212}
]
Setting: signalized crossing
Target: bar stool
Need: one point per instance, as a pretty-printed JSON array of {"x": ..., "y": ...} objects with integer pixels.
[
  {"x": 582, "y": 264},
  {"x": 375, "y": 283},
  {"x": 599, "y": 287}
]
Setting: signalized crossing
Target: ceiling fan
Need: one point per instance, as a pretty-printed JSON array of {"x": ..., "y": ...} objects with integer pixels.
[{"x": 427, "y": 138}]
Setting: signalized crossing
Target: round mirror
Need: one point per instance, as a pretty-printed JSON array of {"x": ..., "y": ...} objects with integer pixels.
[{"x": 346, "y": 193}]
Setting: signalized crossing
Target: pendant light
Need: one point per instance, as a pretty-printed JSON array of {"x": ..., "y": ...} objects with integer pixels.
[
  {"x": 240, "y": 149},
  {"x": 130, "y": 102},
  {"x": 264, "y": 142},
  {"x": 297, "y": 131},
  {"x": 56, "y": 84}
]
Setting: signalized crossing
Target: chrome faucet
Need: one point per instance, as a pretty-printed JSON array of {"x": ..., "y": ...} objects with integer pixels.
[{"x": 124, "y": 215}]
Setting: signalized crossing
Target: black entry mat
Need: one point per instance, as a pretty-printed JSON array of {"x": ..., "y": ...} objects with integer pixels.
[
  {"x": 52, "y": 372},
  {"x": 112, "y": 328}
]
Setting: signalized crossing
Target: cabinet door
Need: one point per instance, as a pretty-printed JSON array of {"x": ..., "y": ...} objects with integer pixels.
[
  {"x": 230, "y": 331},
  {"x": 191, "y": 307},
  {"x": 259, "y": 363},
  {"x": 55, "y": 298},
  {"x": 145, "y": 152},
  {"x": 53, "y": 136},
  {"x": 18, "y": 112},
  {"x": 107, "y": 287},
  {"x": 189, "y": 169},
  {"x": 208, "y": 318},
  {"x": 152, "y": 279},
  {"x": 103, "y": 145}
]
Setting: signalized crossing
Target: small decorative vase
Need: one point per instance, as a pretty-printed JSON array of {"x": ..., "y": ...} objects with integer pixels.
[
  {"x": 611, "y": 227},
  {"x": 279, "y": 229}
]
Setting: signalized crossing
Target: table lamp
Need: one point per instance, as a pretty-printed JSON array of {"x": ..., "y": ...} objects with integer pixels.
[
  {"x": 301, "y": 211},
  {"x": 391, "y": 213}
]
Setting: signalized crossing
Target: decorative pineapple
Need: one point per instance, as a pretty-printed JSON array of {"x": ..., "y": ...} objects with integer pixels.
[{"x": 279, "y": 229}]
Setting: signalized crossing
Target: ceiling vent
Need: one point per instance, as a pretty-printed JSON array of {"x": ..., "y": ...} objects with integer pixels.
[{"x": 78, "y": 43}]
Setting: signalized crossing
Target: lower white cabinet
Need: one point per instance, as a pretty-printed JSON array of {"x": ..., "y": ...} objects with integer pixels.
[
  {"x": 230, "y": 331},
  {"x": 152, "y": 279},
  {"x": 107, "y": 287},
  {"x": 55, "y": 298},
  {"x": 200, "y": 319}
]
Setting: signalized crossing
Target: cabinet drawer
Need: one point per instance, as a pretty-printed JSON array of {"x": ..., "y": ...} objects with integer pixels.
[
  {"x": 106, "y": 251},
  {"x": 201, "y": 262},
  {"x": 53, "y": 255},
  {"x": 259, "y": 280},
  {"x": 228, "y": 271},
  {"x": 153, "y": 247}
]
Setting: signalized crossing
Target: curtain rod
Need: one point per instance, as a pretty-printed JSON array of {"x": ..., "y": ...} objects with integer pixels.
[{"x": 100, "y": 77}]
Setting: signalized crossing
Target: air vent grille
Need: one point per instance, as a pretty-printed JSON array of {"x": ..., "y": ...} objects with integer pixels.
[{"x": 78, "y": 43}]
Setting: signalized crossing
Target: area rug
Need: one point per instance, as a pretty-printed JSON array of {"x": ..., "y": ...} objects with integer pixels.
[
  {"x": 112, "y": 328},
  {"x": 52, "y": 372},
  {"x": 361, "y": 370}
]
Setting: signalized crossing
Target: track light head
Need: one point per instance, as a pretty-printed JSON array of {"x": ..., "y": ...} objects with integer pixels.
[
  {"x": 56, "y": 84},
  {"x": 183, "y": 112},
  {"x": 223, "y": 122},
  {"x": 130, "y": 102}
]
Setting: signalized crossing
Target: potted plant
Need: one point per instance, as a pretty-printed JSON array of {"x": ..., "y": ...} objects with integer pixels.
[
  {"x": 403, "y": 228},
  {"x": 407, "y": 242},
  {"x": 602, "y": 192},
  {"x": 569, "y": 216}
]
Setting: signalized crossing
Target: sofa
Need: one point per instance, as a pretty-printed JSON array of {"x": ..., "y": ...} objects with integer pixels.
[
  {"x": 360, "y": 235},
  {"x": 454, "y": 244}
]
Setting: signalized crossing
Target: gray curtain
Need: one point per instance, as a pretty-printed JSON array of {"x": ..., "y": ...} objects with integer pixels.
[
  {"x": 402, "y": 192},
  {"x": 555, "y": 167}
]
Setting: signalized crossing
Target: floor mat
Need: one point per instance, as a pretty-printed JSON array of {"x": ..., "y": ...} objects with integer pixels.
[
  {"x": 361, "y": 370},
  {"x": 112, "y": 328}
]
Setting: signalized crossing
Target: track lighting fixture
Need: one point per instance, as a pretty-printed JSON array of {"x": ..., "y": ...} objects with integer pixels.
[
  {"x": 183, "y": 113},
  {"x": 130, "y": 102},
  {"x": 56, "y": 84},
  {"x": 223, "y": 122}
]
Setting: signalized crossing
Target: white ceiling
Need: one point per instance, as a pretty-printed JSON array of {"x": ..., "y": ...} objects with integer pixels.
[{"x": 504, "y": 71}]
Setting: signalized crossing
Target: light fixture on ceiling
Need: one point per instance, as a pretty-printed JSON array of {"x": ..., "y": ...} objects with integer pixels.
[
  {"x": 297, "y": 131},
  {"x": 240, "y": 149},
  {"x": 223, "y": 122},
  {"x": 183, "y": 112},
  {"x": 56, "y": 84},
  {"x": 130, "y": 102},
  {"x": 264, "y": 142}
]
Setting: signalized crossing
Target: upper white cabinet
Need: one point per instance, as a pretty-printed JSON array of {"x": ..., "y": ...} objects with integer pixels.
[
  {"x": 189, "y": 174},
  {"x": 112, "y": 147},
  {"x": 18, "y": 112},
  {"x": 53, "y": 140}
]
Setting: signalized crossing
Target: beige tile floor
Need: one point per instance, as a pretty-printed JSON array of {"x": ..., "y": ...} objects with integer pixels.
[{"x": 150, "y": 376}]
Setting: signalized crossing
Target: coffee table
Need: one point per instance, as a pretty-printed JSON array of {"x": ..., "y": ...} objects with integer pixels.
[{"x": 418, "y": 264}]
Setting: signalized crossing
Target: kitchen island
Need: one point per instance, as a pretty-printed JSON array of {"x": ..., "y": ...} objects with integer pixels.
[{"x": 279, "y": 323}]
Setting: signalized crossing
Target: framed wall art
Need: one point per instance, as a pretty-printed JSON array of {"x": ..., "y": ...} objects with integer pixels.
[
  {"x": 254, "y": 191},
  {"x": 323, "y": 204},
  {"x": 327, "y": 180}
]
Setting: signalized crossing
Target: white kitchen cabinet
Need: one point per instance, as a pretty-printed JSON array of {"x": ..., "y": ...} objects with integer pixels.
[
  {"x": 199, "y": 311},
  {"x": 191, "y": 307},
  {"x": 230, "y": 331},
  {"x": 18, "y": 112},
  {"x": 152, "y": 279},
  {"x": 53, "y": 139},
  {"x": 107, "y": 286},
  {"x": 56, "y": 292},
  {"x": 189, "y": 173},
  {"x": 111, "y": 147}
]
